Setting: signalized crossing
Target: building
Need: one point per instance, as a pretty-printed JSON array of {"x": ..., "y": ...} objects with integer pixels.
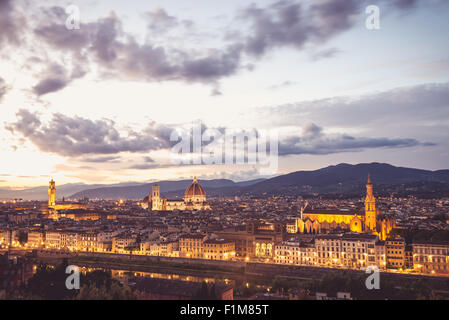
[
  {"x": 191, "y": 246},
  {"x": 291, "y": 227},
  {"x": 408, "y": 256},
  {"x": 381, "y": 256},
  {"x": 160, "y": 248},
  {"x": 52, "y": 193},
  {"x": 350, "y": 251},
  {"x": 370, "y": 220},
  {"x": 431, "y": 257},
  {"x": 36, "y": 239},
  {"x": 77, "y": 214},
  {"x": 395, "y": 250},
  {"x": 87, "y": 241},
  {"x": 295, "y": 252},
  {"x": 70, "y": 240},
  {"x": 9, "y": 237},
  {"x": 53, "y": 239},
  {"x": 256, "y": 240},
  {"x": 123, "y": 242},
  {"x": 347, "y": 251},
  {"x": 52, "y": 201},
  {"x": 218, "y": 249},
  {"x": 194, "y": 199}
]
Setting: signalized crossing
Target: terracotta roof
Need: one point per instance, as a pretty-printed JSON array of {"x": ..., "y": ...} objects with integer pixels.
[
  {"x": 334, "y": 211},
  {"x": 195, "y": 189}
]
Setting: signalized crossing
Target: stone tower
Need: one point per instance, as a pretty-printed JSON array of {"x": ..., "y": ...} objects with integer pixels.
[
  {"x": 370, "y": 207},
  {"x": 156, "y": 198},
  {"x": 52, "y": 193}
]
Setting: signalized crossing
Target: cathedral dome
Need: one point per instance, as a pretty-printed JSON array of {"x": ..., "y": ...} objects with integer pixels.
[{"x": 195, "y": 192}]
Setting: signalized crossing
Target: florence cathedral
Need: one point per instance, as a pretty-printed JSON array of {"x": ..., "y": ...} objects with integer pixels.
[{"x": 194, "y": 199}]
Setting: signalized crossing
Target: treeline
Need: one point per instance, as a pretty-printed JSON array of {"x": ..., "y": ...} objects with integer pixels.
[
  {"x": 331, "y": 283},
  {"x": 49, "y": 283}
]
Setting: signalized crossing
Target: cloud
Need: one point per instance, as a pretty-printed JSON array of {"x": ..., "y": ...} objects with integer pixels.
[
  {"x": 405, "y": 4},
  {"x": 77, "y": 136},
  {"x": 160, "y": 22},
  {"x": 284, "y": 84},
  {"x": 148, "y": 160},
  {"x": 146, "y": 166},
  {"x": 48, "y": 85},
  {"x": 314, "y": 141},
  {"x": 119, "y": 54},
  {"x": 3, "y": 88},
  {"x": 100, "y": 159},
  {"x": 12, "y": 23},
  {"x": 416, "y": 106},
  {"x": 56, "y": 77},
  {"x": 289, "y": 23},
  {"x": 325, "y": 54}
]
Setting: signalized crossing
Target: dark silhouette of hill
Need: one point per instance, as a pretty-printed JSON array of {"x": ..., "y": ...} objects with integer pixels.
[{"x": 339, "y": 179}]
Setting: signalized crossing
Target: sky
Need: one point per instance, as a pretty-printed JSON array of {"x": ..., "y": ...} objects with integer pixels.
[{"x": 98, "y": 103}]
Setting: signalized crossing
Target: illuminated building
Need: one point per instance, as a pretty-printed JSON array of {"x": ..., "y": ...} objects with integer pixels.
[
  {"x": 80, "y": 214},
  {"x": 395, "y": 249},
  {"x": 257, "y": 240},
  {"x": 431, "y": 257},
  {"x": 36, "y": 239},
  {"x": 352, "y": 251},
  {"x": 70, "y": 241},
  {"x": 10, "y": 237},
  {"x": 318, "y": 221},
  {"x": 160, "y": 248},
  {"x": 122, "y": 243},
  {"x": 381, "y": 255},
  {"x": 194, "y": 199},
  {"x": 191, "y": 246},
  {"x": 52, "y": 200},
  {"x": 218, "y": 249},
  {"x": 296, "y": 253},
  {"x": 53, "y": 239},
  {"x": 52, "y": 193},
  {"x": 291, "y": 227},
  {"x": 347, "y": 251},
  {"x": 87, "y": 241}
]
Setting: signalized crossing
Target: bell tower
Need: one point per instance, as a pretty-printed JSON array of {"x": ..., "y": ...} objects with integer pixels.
[
  {"x": 370, "y": 207},
  {"x": 52, "y": 193},
  {"x": 156, "y": 198}
]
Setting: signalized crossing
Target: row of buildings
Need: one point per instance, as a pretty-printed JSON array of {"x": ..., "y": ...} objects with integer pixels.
[{"x": 344, "y": 250}]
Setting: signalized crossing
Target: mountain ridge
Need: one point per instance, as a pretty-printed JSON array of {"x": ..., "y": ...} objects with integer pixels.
[{"x": 334, "y": 179}]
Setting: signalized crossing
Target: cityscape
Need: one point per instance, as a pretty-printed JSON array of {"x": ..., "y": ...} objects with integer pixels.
[
  {"x": 400, "y": 237},
  {"x": 226, "y": 156}
]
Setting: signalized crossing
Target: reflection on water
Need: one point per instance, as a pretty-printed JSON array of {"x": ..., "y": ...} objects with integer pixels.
[{"x": 125, "y": 275}]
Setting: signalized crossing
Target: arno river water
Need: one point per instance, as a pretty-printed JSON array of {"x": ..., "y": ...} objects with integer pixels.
[{"x": 128, "y": 276}]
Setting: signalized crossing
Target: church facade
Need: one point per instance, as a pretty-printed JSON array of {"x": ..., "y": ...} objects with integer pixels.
[
  {"x": 368, "y": 221},
  {"x": 194, "y": 199}
]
